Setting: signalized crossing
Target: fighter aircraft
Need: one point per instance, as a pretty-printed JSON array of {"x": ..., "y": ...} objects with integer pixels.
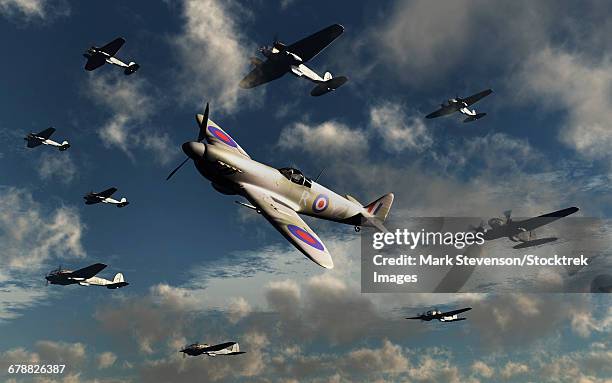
[
  {"x": 85, "y": 277},
  {"x": 277, "y": 194},
  {"x": 449, "y": 316},
  {"x": 96, "y": 57},
  {"x": 42, "y": 138},
  {"x": 459, "y": 104},
  {"x": 228, "y": 348},
  {"x": 522, "y": 231},
  {"x": 105, "y": 197},
  {"x": 283, "y": 58}
]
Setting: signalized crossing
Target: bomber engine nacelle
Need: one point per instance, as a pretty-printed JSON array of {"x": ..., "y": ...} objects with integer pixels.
[{"x": 496, "y": 222}]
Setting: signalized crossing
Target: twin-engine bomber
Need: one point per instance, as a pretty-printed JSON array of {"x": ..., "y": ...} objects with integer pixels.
[
  {"x": 227, "y": 348},
  {"x": 85, "y": 277},
  {"x": 292, "y": 58},
  {"x": 280, "y": 195},
  {"x": 449, "y": 316},
  {"x": 43, "y": 138}
]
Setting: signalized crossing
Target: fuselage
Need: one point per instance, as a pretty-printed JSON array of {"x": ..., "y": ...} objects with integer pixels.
[
  {"x": 228, "y": 170},
  {"x": 63, "y": 278},
  {"x": 94, "y": 51}
]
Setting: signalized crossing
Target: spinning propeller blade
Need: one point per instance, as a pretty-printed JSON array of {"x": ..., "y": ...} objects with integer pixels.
[{"x": 201, "y": 136}]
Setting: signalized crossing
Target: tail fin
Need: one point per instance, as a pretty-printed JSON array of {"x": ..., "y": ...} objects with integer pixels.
[
  {"x": 327, "y": 76},
  {"x": 123, "y": 202},
  {"x": 380, "y": 208},
  {"x": 65, "y": 145},
  {"x": 118, "y": 278}
]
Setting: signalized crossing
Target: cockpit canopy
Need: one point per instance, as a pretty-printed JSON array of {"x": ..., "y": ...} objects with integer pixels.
[{"x": 295, "y": 176}]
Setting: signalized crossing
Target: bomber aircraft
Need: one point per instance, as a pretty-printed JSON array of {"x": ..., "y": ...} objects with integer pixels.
[
  {"x": 105, "y": 197},
  {"x": 292, "y": 58},
  {"x": 85, "y": 277},
  {"x": 449, "y": 316},
  {"x": 462, "y": 105},
  {"x": 280, "y": 195},
  {"x": 43, "y": 138},
  {"x": 228, "y": 348},
  {"x": 96, "y": 57},
  {"x": 522, "y": 231}
]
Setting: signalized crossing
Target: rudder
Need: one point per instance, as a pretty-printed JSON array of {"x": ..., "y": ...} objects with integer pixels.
[{"x": 380, "y": 208}]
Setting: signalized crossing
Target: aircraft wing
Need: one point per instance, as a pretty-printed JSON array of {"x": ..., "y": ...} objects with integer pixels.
[
  {"x": 107, "y": 193},
  {"x": 309, "y": 47},
  {"x": 218, "y": 347},
  {"x": 263, "y": 73},
  {"x": 214, "y": 135},
  {"x": 290, "y": 225},
  {"x": 535, "y": 222},
  {"x": 94, "y": 62},
  {"x": 113, "y": 47},
  {"x": 89, "y": 271},
  {"x": 477, "y": 97},
  {"x": 454, "y": 312},
  {"x": 32, "y": 143},
  {"x": 419, "y": 317},
  {"x": 46, "y": 133},
  {"x": 449, "y": 109}
]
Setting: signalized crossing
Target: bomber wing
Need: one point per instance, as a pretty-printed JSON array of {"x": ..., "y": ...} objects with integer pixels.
[
  {"x": 535, "y": 222},
  {"x": 89, "y": 271},
  {"x": 445, "y": 110},
  {"x": 309, "y": 47},
  {"x": 46, "y": 133},
  {"x": 263, "y": 73},
  {"x": 218, "y": 347},
  {"x": 113, "y": 47},
  {"x": 454, "y": 312},
  {"x": 476, "y": 97},
  {"x": 94, "y": 62},
  {"x": 290, "y": 225},
  {"x": 106, "y": 193}
]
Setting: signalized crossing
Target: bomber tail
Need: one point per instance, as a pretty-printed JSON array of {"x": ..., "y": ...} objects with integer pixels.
[
  {"x": 118, "y": 282},
  {"x": 329, "y": 83},
  {"x": 123, "y": 202},
  {"x": 65, "y": 145},
  {"x": 235, "y": 350}
]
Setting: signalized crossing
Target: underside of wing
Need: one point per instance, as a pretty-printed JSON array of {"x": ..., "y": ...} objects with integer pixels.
[
  {"x": 113, "y": 47},
  {"x": 94, "y": 62},
  {"x": 441, "y": 112},
  {"x": 263, "y": 73},
  {"x": 46, "y": 133},
  {"x": 455, "y": 312},
  {"x": 219, "y": 347},
  {"x": 32, "y": 143},
  {"x": 89, "y": 271},
  {"x": 290, "y": 225},
  {"x": 309, "y": 47},
  {"x": 477, "y": 97},
  {"x": 533, "y": 223}
]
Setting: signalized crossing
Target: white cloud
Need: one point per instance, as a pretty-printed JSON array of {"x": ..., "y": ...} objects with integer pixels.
[
  {"x": 34, "y": 9},
  {"x": 131, "y": 103},
  {"x": 213, "y": 53},
  {"x": 238, "y": 309},
  {"x": 329, "y": 138},
  {"x": 106, "y": 360},
  {"x": 399, "y": 131},
  {"x": 55, "y": 167},
  {"x": 480, "y": 368},
  {"x": 578, "y": 88},
  {"x": 30, "y": 235}
]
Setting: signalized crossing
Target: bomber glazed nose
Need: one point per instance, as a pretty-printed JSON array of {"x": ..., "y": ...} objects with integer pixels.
[{"x": 194, "y": 150}]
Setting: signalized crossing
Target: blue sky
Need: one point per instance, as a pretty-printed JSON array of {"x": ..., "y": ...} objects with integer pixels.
[{"x": 203, "y": 269}]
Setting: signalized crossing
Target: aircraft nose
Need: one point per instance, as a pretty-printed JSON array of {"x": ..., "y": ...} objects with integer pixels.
[{"x": 194, "y": 150}]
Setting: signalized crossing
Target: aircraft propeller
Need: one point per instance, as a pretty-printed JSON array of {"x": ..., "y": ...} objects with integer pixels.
[
  {"x": 507, "y": 214},
  {"x": 201, "y": 136}
]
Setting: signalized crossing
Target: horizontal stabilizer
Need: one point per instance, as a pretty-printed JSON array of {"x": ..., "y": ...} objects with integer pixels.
[
  {"x": 328, "y": 86},
  {"x": 474, "y": 118},
  {"x": 117, "y": 285},
  {"x": 535, "y": 242},
  {"x": 132, "y": 67}
]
